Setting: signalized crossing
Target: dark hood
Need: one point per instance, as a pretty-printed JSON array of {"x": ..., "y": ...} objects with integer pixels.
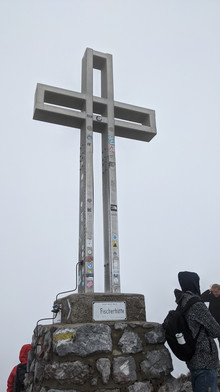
[{"x": 189, "y": 281}]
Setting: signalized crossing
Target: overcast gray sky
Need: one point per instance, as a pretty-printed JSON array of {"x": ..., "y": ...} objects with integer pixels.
[{"x": 166, "y": 57}]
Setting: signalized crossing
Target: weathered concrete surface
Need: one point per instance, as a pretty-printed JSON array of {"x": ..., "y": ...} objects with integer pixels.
[{"x": 77, "y": 308}]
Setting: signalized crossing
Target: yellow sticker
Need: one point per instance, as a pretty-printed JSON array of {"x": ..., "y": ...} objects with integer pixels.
[
  {"x": 115, "y": 244},
  {"x": 64, "y": 336}
]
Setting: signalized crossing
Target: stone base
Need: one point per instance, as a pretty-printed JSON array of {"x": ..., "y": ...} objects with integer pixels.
[
  {"x": 78, "y": 308},
  {"x": 80, "y": 354},
  {"x": 104, "y": 357}
]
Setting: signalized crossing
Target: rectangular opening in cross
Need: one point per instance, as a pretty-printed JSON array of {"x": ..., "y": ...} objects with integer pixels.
[
  {"x": 131, "y": 115},
  {"x": 97, "y": 82},
  {"x": 99, "y": 107},
  {"x": 64, "y": 100}
]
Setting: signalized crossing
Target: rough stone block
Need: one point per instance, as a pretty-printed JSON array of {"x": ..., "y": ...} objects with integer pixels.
[
  {"x": 156, "y": 364},
  {"x": 141, "y": 387},
  {"x": 58, "y": 390},
  {"x": 104, "y": 367},
  {"x": 38, "y": 372},
  {"x": 120, "y": 326},
  {"x": 75, "y": 372},
  {"x": 124, "y": 369},
  {"x": 94, "y": 381},
  {"x": 130, "y": 343},
  {"x": 176, "y": 385},
  {"x": 47, "y": 345},
  {"x": 83, "y": 340},
  {"x": 156, "y": 335},
  {"x": 107, "y": 390}
]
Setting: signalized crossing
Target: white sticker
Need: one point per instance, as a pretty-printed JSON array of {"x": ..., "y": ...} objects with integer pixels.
[{"x": 89, "y": 243}]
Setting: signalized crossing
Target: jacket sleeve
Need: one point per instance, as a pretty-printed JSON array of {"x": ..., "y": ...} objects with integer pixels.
[
  {"x": 206, "y": 296},
  {"x": 202, "y": 315},
  {"x": 11, "y": 379}
]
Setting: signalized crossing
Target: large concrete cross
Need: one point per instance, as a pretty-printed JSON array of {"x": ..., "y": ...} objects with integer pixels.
[{"x": 110, "y": 118}]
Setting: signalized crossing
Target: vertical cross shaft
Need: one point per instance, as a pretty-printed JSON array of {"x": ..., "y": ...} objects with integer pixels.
[
  {"x": 110, "y": 215},
  {"x": 110, "y": 118},
  {"x": 102, "y": 62},
  {"x": 86, "y": 218}
]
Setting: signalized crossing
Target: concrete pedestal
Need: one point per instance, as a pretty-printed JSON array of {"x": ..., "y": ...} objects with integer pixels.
[{"x": 79, "y": 308}]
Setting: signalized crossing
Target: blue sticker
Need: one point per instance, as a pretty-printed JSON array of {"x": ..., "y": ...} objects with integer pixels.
[{"x": 111, "y": 140}]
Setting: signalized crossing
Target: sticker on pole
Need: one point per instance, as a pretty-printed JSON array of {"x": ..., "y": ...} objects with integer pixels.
[{"x": 107, "y": 311}]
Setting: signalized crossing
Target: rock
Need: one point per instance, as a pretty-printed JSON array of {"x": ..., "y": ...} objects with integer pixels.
[
  {"x": 47, "y": 344},
  {"x": 104, "y": 367},
  {"x": 120, "y": 326},
  {"x": 141, "y": 387},
  {"x": 38, "y": 372},
  {"x": 156, "y": 364},
  {"x": 93, "y": 382},
  {"x": 58, "y": 390},
  {"x": 85, "y": 340},
  {"x": 107, "y": 390},
  {"x": 156, "y": 335},
  {"x": 176, "y": 385},
  {"x": 130, "y": 343},
  {"x": 75, "y": 372},
  {"x": 124, "y": 369}
]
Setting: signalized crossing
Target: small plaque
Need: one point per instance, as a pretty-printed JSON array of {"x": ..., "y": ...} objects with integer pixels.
[
  {"x": 109, "y": 311},
  {"x": 58, "y": 317}
]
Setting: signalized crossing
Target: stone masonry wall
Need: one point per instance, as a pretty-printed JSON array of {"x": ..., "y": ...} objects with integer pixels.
[{"x": 104, "y": 357}]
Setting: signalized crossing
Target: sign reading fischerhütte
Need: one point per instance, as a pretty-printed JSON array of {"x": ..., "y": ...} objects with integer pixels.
[{"x": 109, "y": 311}]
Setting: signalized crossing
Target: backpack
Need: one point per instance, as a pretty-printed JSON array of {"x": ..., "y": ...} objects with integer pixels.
[
  {"x": 175, "y": 323},
  {"x": 19, "y": 377}
]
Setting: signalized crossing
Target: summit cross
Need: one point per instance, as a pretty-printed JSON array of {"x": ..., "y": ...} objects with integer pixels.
[{"x": 110, "y": 118}]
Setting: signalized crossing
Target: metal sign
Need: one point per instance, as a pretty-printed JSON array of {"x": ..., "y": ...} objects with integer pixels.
[{"x": 109, "y": 311}]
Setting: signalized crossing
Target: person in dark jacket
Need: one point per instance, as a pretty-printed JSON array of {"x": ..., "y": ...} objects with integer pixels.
[
  {"x": 23, "y": 355},
  {"x": 204, "y": 363},
  {"x": 213, "y": 297}
]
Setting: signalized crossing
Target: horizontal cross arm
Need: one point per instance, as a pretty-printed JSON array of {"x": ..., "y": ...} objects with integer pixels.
[
  {"x": 134, "y": 122},
  {"x": 65, "y": 107},
  {"x": 60, "y": 116},
  {"x": 129, "y": 130},
  {"x": 59, "y": 106},
  {"x": 59, "y": 97},
  {"x": 133, "y": 113},
  {"x": 131, "y": 121}
]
